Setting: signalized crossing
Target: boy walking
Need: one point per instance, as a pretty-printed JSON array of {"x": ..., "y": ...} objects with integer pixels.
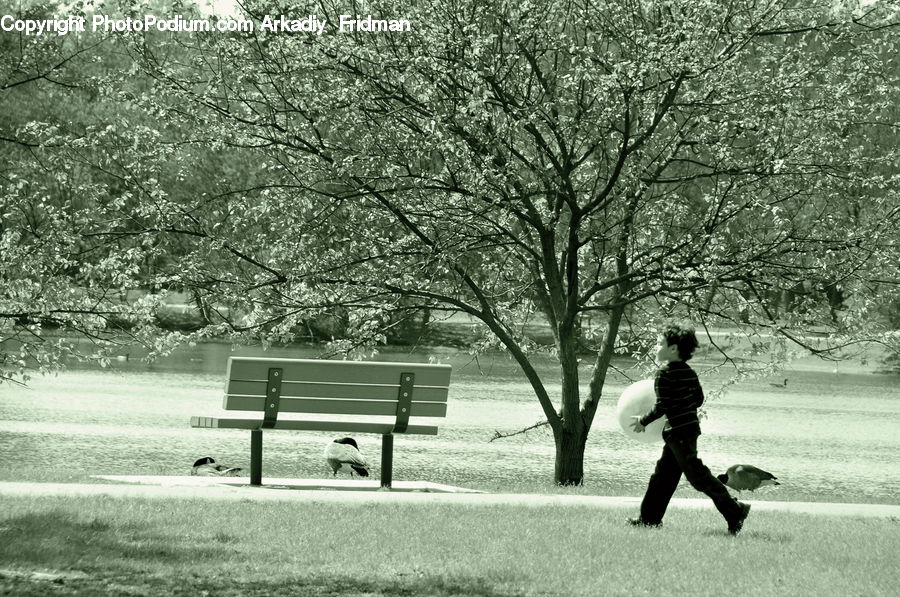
[{"x": 678, "y": 396}]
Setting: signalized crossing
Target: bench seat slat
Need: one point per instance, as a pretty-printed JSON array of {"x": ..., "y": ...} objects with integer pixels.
[
  {"x": 344, "y": 426},
  {"x": 318, "y": 370},
  {"x": 386, "y": 408},
  {"x": 337, "y": 390}
]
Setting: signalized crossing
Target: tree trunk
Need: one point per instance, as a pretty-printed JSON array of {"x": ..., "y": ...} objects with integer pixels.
[
  {"x": 569, "y": 468},
  {"x": 571, "y": 435}
]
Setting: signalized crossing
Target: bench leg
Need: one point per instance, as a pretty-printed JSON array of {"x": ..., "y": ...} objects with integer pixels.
[
  {"x": 256, "y": 457},
  {"x": 387, "y": 460}
]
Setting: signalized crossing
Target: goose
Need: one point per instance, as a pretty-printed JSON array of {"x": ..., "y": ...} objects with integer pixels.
[
  {"x": 779, "y": 385},
  {"x": 746, "y": 476},
  {"x": 207, "y": 467},
  {"x": 345, "y": 451}
]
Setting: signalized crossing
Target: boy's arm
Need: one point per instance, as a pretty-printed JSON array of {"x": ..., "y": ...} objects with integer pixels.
[{"x": 659, "y": 408}]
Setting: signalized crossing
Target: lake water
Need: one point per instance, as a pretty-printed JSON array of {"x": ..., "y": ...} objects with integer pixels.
[{"x": 827, "y": 435}]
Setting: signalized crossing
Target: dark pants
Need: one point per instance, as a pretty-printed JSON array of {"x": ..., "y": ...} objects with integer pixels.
[{"x": 680, "y": 456}]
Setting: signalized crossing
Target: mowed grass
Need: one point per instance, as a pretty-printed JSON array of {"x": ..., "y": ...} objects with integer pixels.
[{"x": 113, "y": 546}]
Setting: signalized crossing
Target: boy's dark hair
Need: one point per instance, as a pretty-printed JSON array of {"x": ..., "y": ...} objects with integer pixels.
[{"x": 683, "y": 336}]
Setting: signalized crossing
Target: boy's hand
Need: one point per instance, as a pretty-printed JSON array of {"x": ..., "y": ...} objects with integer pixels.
[{"x": 636, "y": 424}]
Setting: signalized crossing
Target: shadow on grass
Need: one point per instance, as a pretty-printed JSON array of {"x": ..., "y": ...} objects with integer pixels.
[
  {"x": 25, "y": 585},
  {"x": 54, "y": 553},
  {"x": 55, "y": 539}
]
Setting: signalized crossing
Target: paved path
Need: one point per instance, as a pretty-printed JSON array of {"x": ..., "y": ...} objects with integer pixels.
[{"x": 362, "y": 492}]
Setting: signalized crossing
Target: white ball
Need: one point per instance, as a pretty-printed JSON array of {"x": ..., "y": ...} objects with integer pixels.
[{"x": 637, "y": 400}]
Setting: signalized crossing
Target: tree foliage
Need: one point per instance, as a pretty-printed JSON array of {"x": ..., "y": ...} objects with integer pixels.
[
  {"x": 67, "y": 261},
  {"x": 597, "y": 165}
]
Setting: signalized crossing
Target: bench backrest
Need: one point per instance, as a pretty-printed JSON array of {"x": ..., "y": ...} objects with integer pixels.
[{"x": 336, "y": 387}]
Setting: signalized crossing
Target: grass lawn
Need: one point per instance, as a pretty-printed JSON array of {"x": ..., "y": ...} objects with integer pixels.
[
  {"x": 111, "y": 546},
  {"x": 85, "y": 423},
  {"x": 81, "y": 424}
]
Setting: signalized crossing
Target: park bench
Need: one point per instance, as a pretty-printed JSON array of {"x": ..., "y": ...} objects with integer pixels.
[{"x": 381, "y": 397}]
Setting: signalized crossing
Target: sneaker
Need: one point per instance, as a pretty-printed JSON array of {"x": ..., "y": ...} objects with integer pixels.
[
  {"x": 640, "y": 522},
  {"x": 734, "y": 526}
]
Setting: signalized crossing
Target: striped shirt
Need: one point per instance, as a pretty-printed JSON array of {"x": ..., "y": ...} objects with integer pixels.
[{"x": 678, "y": 396}]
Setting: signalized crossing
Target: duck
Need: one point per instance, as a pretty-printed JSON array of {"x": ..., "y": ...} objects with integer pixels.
[
  {"x": 207, "y": 467},
  {"x": 343, "y": 451},
  {"x": 747, "y": 476}
]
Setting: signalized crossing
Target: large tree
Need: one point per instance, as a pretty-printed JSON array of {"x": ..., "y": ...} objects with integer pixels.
[
  {"x": 570, "y": 159},
  {"x": 599, "y": 165}
]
